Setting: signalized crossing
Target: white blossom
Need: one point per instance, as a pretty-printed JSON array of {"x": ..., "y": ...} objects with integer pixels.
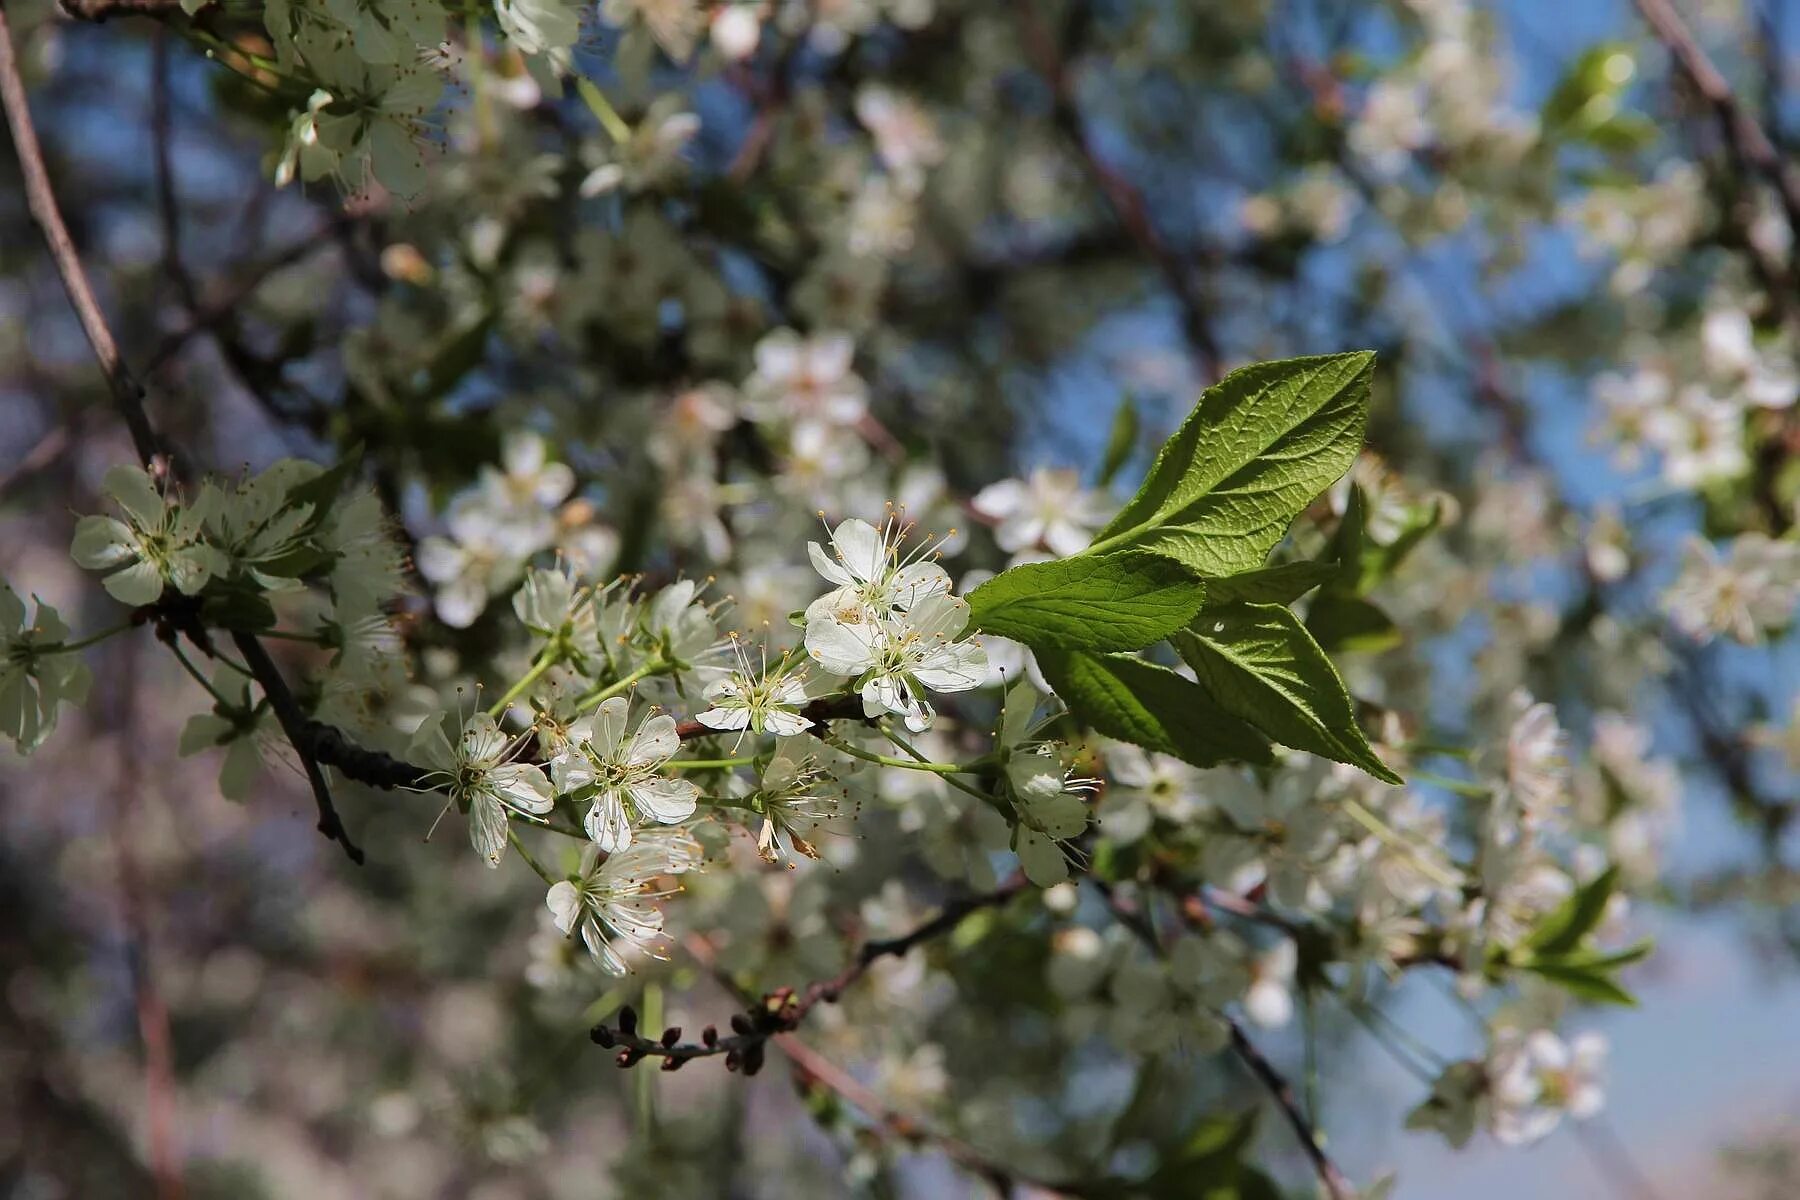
[{"x": 622, "y": 772}]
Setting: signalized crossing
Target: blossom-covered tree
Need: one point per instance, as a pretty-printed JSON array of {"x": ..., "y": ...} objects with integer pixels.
[{"x": 1032, "y": 564}]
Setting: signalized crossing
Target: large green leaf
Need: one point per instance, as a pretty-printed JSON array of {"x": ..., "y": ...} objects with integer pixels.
[
  {"x": 1258, "y": 662},
  {"x": 1281, "y": 584},
  {"x": 1150, "y": 706},
  {"x": 1260, "y": 445},
  {"x": 1119, "y": 602}
]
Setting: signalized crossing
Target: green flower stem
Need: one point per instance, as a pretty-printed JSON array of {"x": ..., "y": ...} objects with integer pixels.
[
  {"x": 1461, "y": 787},
  {"x": 623, "y": 685},
  {"x": 200, "y": 678},
  {"x": 987, "y": 798},
  {"x": 475, "y": 52},
  {"x": 616, "y": 126},
  {"x": 93, "y": 639},
  {"x": 709, "y": 764},
  {"x": 513, "y": 837},
  {"x": 539, "y": 665},
  {"x": 910, "y": 764},
  {"x": 291, "y": 635},
  {"x": 741, "y": 804},
  {"x": 1380, "y": 829}
]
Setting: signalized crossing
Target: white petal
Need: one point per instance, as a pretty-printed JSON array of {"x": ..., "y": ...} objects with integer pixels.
[
  {"x": 666, "y": 800},
  {"x": 842, "y": 649},
  {"x": 607, "y": 824},
  {"x": 915, "y": 581},
  {"x": 860, "y": 549},
  {"x": 655, "y": 742},
  {"x": 1042, "y": 859},
  {"x": 487, "y": 827},
  {"x": 939, "y": 616},
  {"x": 827, "y": 566},
  {"x": 564, "y": 903},
  {"x": 1269, "y": 1004},
  {"x": 102, "y": 543},
  {"x": 524, "y": 787},
  {"x": 139, "y": 584},
  {"x": 956, "y": 667},
  {"x": 609, "y": 727},
  {"x": 1001, "y": 500},
  {"x": 136, "y": 494},
  {"x": 725, "y": 718},
  {"x": 783, "y": 723}
]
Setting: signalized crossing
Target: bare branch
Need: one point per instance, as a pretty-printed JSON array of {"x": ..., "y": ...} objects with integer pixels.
[
  {"x": 1125, "y": 200},
  {"x": 1749, "y": 142},
  {"x": 100, "y": 10},
  {"x": 127, "y": 393},
  {"x": 783, "y": 1011}
]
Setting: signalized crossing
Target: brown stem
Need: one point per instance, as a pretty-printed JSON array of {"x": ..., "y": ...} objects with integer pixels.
[
  {"x": 1749, "y": 143},
  {"x": 41, "y": 199},
  {"x": 100, "y": 10},
  {"x": 140, "y": 956},
  {"x": 783, "y": 1011},
  {"x": 1122, "y": 197},
  {"x": 296, "y": 726},
  {"x": 1331, "y": 1178}
]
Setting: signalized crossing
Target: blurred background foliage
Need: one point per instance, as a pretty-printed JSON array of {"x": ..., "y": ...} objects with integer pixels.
[{"x": 1045, "y": 226}]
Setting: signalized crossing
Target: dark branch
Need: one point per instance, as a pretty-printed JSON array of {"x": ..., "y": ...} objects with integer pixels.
[
  {"x": 1749, "y": 143},
  {"x": 1331, "y": 1178},
  {"x": 783, "y": 1011},
  {"x": 47, "y": 216},
  {"x": 296, "y": 726},
  {"x": 1122, "y": 197},
  {"x": 100, "y": 10}
]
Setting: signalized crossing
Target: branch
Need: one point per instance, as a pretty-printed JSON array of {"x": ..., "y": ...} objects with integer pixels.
[
  {"x": 1330, "y": 1177},
  {"x": 1749, "y": 143},
  {"x": 100, "y": 10},
  {"x": 784, "y": 1010},
  {"x": 1125, "y": 200},
  {"x": 127, "y": 393},
  {"x": 1336, "y": 1186},
  {"x": 295, "y": 725}
]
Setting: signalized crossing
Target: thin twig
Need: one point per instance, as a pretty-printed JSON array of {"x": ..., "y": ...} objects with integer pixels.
[
  {"x": 1137, "y": 921},
  {"x": 41, "y": 199},
  {"x": 295, "y": 725},
  {"x": 784, "y": 1010},
  {"x": 1750, "y": 144},
  {"x": 140, "y": 958},
  {"x": 130, "y": 398},
  {"x": 1125, "y": 200}
]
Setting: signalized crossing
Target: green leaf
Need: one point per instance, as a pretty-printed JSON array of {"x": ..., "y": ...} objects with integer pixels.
[
  {"x": 1340, "y": 622},
  {"x": 1150, "y": 706},
  {"x": 1120, "y": 602},
  {"x": 296, "y": 563},
  {"x": 1270, "y": 585},
  {"x": 1258, "y": 662},
  {"x": 1570, "y": 923},
  {"x": 323, "y": 489},
  {"x": 1120, "y": 442},
  {"x": 1593, "y": 986},
  {"x": 236, "y": 606},
  {"x": 1258, "y": 447},
  {"x": 1607, "y": 960}
]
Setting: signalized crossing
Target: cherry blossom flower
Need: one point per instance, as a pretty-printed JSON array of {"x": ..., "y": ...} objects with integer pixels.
[
  {"x": 481, "y": 779},
  {"x": 610, "y": 898},
  {"x": 1049, "y": 509},
  {"x": 622, "y": 772}
]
